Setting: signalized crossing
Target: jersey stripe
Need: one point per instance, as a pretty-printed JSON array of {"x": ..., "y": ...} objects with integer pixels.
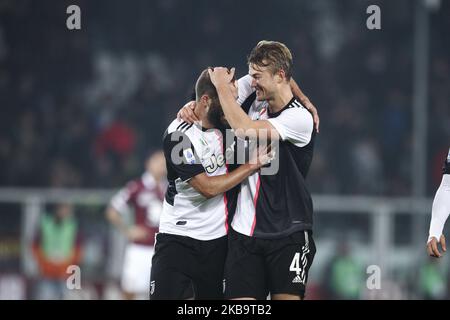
[
  {"x": 181, "y": 125},
  {"x": 295, "y": 104},
  {"x": 186, "y": 128},
  {"x": 225, "y": 199},
  {"x": 258, "y": 184}
]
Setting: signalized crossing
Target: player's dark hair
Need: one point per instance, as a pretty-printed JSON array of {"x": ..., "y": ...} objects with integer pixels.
[
  {"x": 205, "y": 86},
  {"x": 274, "y": 55}
]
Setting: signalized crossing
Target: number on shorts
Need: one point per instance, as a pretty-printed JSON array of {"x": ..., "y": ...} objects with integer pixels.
[{"x": 295, "y": 264}]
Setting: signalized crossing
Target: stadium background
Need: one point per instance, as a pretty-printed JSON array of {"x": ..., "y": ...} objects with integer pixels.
[{"x": 80, "y": 109}]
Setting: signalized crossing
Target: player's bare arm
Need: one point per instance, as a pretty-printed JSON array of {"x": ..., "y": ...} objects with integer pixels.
[
  {"x": 187, "y": 114},
  {"x": 211, "y": 186}
]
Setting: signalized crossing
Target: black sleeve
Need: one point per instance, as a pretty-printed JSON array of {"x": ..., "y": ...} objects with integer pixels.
[
  {"x": 446, "y": 169},
  {"x": 181, "y": 156}
]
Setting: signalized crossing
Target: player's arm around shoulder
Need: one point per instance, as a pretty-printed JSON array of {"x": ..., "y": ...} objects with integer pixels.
[
  {"x": 306, "y": 102},
  {"x": 211, "y": 186}
]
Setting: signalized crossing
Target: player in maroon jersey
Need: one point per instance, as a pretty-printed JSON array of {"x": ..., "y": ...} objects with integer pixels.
[{"x": 143, "y": 199}]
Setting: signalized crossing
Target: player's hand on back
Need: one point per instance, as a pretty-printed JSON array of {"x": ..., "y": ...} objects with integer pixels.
[
  {"x": 433, "y": 247},
  {"x": 187, "y": 113},
  {"x": 262, "y": 156},
  {"x": 312, "y": 109},
  {"x": 137, "y": 233}
]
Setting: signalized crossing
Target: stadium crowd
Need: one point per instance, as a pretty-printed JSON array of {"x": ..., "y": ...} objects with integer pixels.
[{"x": 81, "y": 108}]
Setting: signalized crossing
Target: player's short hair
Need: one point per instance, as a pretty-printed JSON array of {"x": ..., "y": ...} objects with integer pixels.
[
  {"x": 274, "y": 55},
  {"x": 205, "y": 86}
]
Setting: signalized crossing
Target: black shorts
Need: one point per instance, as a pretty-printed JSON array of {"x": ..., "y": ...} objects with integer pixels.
[
  {"x": 256, "y": 267},
  {"x": 184, "y": 268}
]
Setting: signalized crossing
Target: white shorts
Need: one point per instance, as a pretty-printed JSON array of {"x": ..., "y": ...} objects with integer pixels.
[{"x": 136, "y": 268}]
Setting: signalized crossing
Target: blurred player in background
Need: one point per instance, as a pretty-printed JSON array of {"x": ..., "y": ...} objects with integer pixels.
[
  {"x": 144, "y": 197},
  {"x": 56, "y": 246},
  {"x": 440, "y": 212}
]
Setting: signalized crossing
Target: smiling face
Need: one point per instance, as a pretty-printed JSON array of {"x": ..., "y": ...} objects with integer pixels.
[
  {"x": 263, "y": 81},
  {"x": 270, "y": 65}
]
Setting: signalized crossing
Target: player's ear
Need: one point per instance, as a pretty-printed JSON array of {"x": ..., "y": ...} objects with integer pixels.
[
  {"x": 280, "y": 76},
  {"x": 204, "y": 99},
  {"x": 205, "y": 102}
]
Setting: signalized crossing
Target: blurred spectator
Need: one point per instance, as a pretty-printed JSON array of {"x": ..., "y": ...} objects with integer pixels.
[
  {"x": 92, "y": 102},
  {"x": 56, "y": 246},
  {"x": 344, "y": 275},
  {"x": 115, "y": 142},
  {"x": 433, "y": 280},
  {"x": 367, "y": 167}
]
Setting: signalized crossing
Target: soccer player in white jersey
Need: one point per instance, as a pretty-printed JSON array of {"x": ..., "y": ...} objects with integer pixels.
[
  {"x": 191, "y": 245},
  {"x": 270, "y": 243},
  {"x": 439, "y": 213}
]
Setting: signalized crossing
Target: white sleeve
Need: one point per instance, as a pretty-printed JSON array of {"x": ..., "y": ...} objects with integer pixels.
[
  {"x": 441, "y": 208},
  {"x": 244, "y": 88},
  {"x": 294, "y": 125},
  {"x": 120, "y": 201}
]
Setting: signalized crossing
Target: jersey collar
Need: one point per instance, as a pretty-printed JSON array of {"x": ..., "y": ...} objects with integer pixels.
[{"x": 276, "y": 114}]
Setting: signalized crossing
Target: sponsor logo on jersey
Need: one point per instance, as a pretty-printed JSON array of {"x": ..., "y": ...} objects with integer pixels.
[
  {"x": 215, "y": 163},
  {"x": 189, "y": 156},
  {"x": 298, "y": 279}
]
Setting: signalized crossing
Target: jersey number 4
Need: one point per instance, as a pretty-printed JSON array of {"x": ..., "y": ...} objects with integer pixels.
[{"x": 295, "y": 264}]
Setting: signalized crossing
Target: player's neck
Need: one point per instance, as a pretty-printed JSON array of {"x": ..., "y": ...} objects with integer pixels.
[
  {"x": 280, "y": 99},
  {"x": 204, "y": 122}
]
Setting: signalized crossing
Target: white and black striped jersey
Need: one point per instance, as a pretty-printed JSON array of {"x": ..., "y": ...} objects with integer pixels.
[
  {"x": 191, "y": 150},
  {"x": 274, "y": 206}
]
